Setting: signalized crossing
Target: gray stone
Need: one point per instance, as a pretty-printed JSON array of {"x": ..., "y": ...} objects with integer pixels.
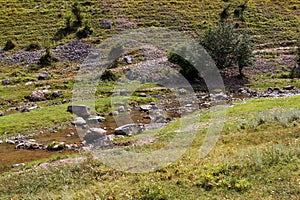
[
  {"x": 145, "y": 108},
  {"x": 96, "y": 119},
  {"x": 128, "y": 59},
  {"x": 38, "y": 95},
  {"x": 121, "y": 109},
  {"x": 107, "y": 24},
  {"x": 79, "y": 110},
  {"x": 289, "y": 87},
  {"x": 57, "y": 93},
  {"x": 114, "y": 113},
  {"x": 79, "y": 121},
  {"x": 129, "y": 129},
  {"x": 94, "y": 134},
  {"x": 123, "y": 93},
  {"x": 2, "y": 114},
  {"x": 143, "y": 94},
  {"x": 44, "y": 76},
  {"x": 6, "y": 82},
  {"x": 10, "y": 141},
  {"x": 18, "y": 165}
]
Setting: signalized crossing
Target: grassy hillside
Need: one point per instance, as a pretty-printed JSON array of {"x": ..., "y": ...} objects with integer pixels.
[
  {"x": 257, "y": 157},
  {"x": 271, "y": 23}
]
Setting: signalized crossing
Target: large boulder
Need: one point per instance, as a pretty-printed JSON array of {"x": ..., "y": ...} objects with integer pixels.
[
  {"x": 79, "y": 121},
  {"x": 129, "y": 129},
  {"x": 94, "y": 134},
  {"x": 79, "y": 110}
]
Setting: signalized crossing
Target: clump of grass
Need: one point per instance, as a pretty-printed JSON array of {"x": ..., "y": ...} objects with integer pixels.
[
  {"x": 9, "y": 45},
  {"x": 48, "y": 58}
]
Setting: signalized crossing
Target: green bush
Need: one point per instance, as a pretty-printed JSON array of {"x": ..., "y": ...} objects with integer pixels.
[
  {"x": 84, "y": 32},
  {"x": 9, "y": 45},
  {"x": 108, "y": 76},
  {"x": 48, "y": 58},
  {"x": 77, "y": 14},
  {"x": 187, "y": 69},
  {"x": 227, "y": 47}
]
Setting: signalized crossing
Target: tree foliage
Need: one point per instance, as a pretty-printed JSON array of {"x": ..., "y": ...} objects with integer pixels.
[{"x": 227, "y": 47}]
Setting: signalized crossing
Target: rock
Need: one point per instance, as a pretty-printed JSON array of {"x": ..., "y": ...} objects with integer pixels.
[
  {"x": 38, "y": 95},
  {"x": 94, "y": 134},
  {"x": 56, "y": 146},
  {"x": 6, "y": 82},
  {"x": 182, "y": 91},
  {"x": 1, "y": 142},
  {"x": 121, "y": 109},
  {"x": 28, "y": 83},
  {"x": 289, "y": 87},
  {"x": 79, "y": 110},
  {"x": 18, "y": 165},
  {"x": 270, "y": 90},
  {"x": 44, "y": 76},
  {"x": 95, "y": 119},
  {"x": 56, "y": 93},
  {"x": 114, "y": 113},
  {"x": 107, "y": 24},
  {"x": 128, "y": 59},
  {"x": 123, "y": 93},
  {"x": 2, "y": 114},
  {"x": 145, "y": 108},
  {"x": 143, "y": 94},
  {"x": 9, "y": 141},
  {"x": 79, "y": 121},
  {"x": 129, "y": 129},
  {"x": 161, "y": 119}
]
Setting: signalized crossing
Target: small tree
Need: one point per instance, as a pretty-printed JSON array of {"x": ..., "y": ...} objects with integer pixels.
[
  {"x": 243, "y": 53},
  {"x": 9, "y": 45},
  {"x": 77, "y": 13},
  {"x": 48, "y": 58},
  {"x": 227, "y": 47}
]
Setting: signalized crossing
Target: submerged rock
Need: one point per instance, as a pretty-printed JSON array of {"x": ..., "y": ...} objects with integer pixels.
[
  {"x": 130, "y": 129},
  {"x": 79, "y": 110}
]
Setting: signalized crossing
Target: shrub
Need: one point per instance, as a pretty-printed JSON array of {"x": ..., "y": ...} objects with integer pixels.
[
  {"x": 84, "y": 32},
  {"x": 187, "y": 69},
  {"x": 227, "y": 47},
  {"x": 9, "y": 45},
  {"x": 108, "y": 76},
  {"x": 48, "y": 58},
  {"x": 33, "y": 47},
  {"x": 77, "y": 14}
]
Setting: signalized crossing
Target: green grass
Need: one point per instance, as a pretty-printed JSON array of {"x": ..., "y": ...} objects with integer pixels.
[
  {"x": 273, "y": 22},
  {"x": 252, "y": 164}
]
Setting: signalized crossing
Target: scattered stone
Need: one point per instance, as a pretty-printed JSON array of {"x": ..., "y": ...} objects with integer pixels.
[
  {"x": 24, "y": 109},
  {"x": 18, "y": 165},
  {"x": 56, "y": 93},
  {"x": 38, "y": 95},
  {"x": 79, "y": 121},
  {"x": 6, "y": 82},
  {"x": 182, "y": 91},
  {"x": 114, "y": 113},
  {"x": 96, "y": 119},
  {"x": 145, "y": 108},
  {"x": 2, "y": 114},
  {"x": 28, "y": 83},
  {"x": 79, "y": 110},
  {"x": 56, "y": 146},
  {"x": 129, "y": 129},
  {"x": 143, "y": 94},
  {"x": 289, "y": 87},
  {"x": 128, "y": 59},
  {"x": 123, "y": 93},
  {"x": 44, "y": 76},
  {"x": 8, "y": 141},
  {"x": 107, "y": 24},
  {"x": 121, "y": 109}
]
